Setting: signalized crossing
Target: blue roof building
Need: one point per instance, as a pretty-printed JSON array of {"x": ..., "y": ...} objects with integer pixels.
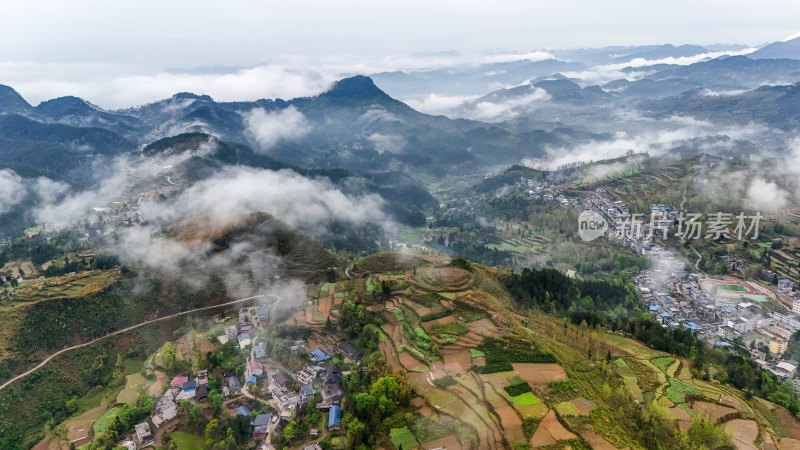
[
  {"x": 243, "y": 411},
  {"x": 259, "y": 352},
  {"x": 334, "y": 417},
  {"x": 692, "y": 326},
  {"x": 251, "y": 379},
  {"x": 320, "y": 355}
]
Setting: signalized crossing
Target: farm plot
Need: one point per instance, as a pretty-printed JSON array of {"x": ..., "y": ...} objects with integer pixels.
[
  {"x": 577, "y": 407},
  {"x": 711, "y": 411},
  {"x": 448, "y": 279},
  {"x": 403, "y": 438},
  {"x": 79, "y": 428},
  {"x": 135, "y": 384},
  {"x": 550, "y": 431},
  {"x": 743, "y": 433},
  {"x": 540, "y": 373}
]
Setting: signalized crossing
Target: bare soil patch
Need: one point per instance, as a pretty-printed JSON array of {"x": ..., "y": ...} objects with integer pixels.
[
  {"x": 550, "y": 431},
  {"x": 789, "y": 444},
  {"x": 743, "y": 433},
  {"x": 450, "y": 442},
  {"x": 80, "y": 428},
  {"x": 508, "y": 417},
  {"x": 442, "y": 320},
  {"x": 540, "y": 373},
  {"x": 712, "y": 411},
  {"x": 597, "y": 442},
  {"x": 456, "y": 359},
  {"x": 408, "y": 361}
]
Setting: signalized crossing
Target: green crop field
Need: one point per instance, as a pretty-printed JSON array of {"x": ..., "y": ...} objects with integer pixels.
[
  {"x": 732, "y": 287},
  {"x": 403, "y": 438},
  {"x": 526, "y": 399}
]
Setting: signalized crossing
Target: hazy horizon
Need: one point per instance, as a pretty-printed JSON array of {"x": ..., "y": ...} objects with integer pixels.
[{"x": 124, "y": 54}]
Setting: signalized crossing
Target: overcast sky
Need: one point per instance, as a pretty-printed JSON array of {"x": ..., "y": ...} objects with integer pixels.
[{"x": 49, "y": 45}]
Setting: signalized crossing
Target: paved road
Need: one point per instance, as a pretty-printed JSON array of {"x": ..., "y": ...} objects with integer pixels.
[{"x": 124, "y": 330}]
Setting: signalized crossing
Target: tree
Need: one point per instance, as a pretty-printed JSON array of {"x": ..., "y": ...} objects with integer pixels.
[
  {"x": 290, "y": 431},
  {"x": 215, "y": 400},
  {"x": 169, "y": 354},
  {"x": 119, "y": 367}
]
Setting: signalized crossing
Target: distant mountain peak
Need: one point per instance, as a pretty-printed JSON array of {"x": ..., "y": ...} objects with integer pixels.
[
  {"x": 71, "y": 102},
  {"x": 11, "y": 101},
  {"x": 789, "y": 49},
  {"x": 191, "y": 96},
  {"x": 358, "y": 89}
]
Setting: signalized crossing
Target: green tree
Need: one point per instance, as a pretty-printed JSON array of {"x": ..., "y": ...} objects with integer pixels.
[{"x": 215, "y": 400}]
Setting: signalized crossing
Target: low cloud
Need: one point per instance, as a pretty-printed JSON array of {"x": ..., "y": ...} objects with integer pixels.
[
  {"x": 388, "y": 143},
  {"x": 489, "y": 110},
  {"x": 599, "y": 172},
  {"x": 658, "y": 138},
  {"x": 267, "y": 129},
  {"x": 12, "y": 190},
  {"x": 440, "y": 104},
  {"x": 764, "y": 195},
  {"x": 609, "y": 72}
]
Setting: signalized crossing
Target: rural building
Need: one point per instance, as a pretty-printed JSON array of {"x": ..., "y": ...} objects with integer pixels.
[
  {"x": 255, "y": 368},
  {"x": 261, "y": 425},
  {"x": 262, "y": 313},
  {"x": 334, "y": 418},
  {"x": 179, "y": 380},
  {"x": 778, "y": 346},
  {"x": 244, "y": 341},
  {"x": 350, "y": 352},
  {"x": 143, "y": 434},
  {"x": 319, "y": 355},
  {"x": 233, "y": 385},
  {"x": 785, "y": 285},
  {"x": 243, "y": 411}
]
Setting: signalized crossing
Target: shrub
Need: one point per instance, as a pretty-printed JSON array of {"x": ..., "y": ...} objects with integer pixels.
[
  {"x": 445, "y": 381},
  {"x": 517, "y": 389}
]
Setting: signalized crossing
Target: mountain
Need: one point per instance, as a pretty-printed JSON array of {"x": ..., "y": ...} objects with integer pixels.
[
  {"x": 11, "y": 101},
  {"x": 77, "y": 112},
  {"x": 779, "y": 50},
  {"x": 54, "y": 150},
  {"x": 774, "y": 106},
  {"x": 468, "y": 80},
  {"x": 662, "y": 52},
  {"x": 405, "y": 197},
  {"x": 723, "y": 74}
]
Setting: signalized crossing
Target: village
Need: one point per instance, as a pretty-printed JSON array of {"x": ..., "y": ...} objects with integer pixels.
[{"x": 264, "y": 380}]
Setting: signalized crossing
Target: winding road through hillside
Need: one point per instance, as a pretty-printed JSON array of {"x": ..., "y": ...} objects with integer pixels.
[{"x": 118, "y": 332}]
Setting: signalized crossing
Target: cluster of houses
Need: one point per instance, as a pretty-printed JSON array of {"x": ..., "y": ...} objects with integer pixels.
[
  {"x": 180, "y": 388},
  {"x": 249, "y": 317},
  {"x": 722, "y": 317},
  {"x": 319, "y": 376}
]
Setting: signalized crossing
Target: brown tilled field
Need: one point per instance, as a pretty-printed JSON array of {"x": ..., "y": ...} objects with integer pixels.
[
  {"x": 408, "y": 361},
  {"x": 456, "y": 359},
  {"x": 538, "y": 374},
  {"x": 442, "y": 320},
  {"x": 449, "y": 442},
  {"x": 508, "y": 417},
  {"x": 550, "y": 431},
  {"x": 596, "y": 441},
  {"x": 743, "y": 433},
  {"x": 712, "y": 411}
]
